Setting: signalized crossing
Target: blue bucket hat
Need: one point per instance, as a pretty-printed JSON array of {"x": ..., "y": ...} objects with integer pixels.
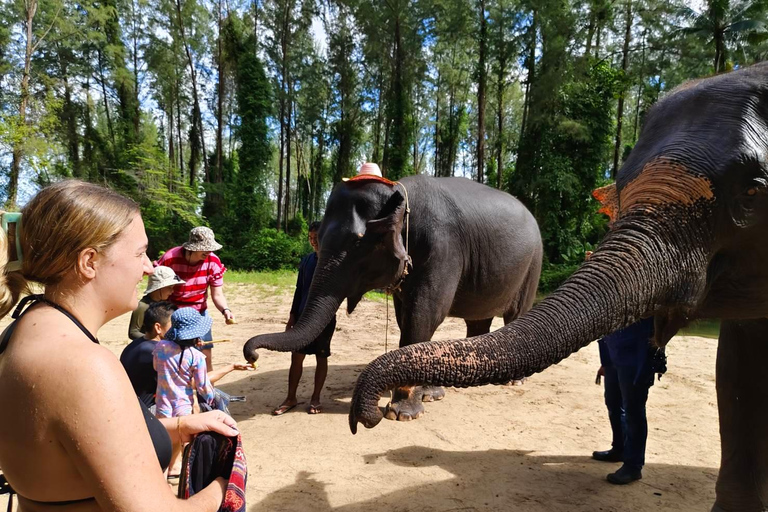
[{"x": 188, "y": 324}]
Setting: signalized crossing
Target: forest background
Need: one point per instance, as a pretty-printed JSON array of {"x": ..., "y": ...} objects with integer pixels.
[{"x": 242, "y": 114}]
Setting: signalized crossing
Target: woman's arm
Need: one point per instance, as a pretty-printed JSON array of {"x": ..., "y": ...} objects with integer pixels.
[
  {"x": 183, "y": 429},
  {"x": 106, "y": 438},
  {"x": 220, "y": 301}
]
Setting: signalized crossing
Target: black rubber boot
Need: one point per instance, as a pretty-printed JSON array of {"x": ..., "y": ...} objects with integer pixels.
[
  {"x": 625, "y": 475},
  {"x": 608, "y": 456}
]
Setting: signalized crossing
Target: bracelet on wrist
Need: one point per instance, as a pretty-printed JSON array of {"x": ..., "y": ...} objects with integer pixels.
[
  {"x": 178, "y": 427},
  {"x": 225, "y": 309}
]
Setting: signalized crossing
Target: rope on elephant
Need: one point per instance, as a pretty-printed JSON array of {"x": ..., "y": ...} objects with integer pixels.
[{"x": 386, "y": 325}]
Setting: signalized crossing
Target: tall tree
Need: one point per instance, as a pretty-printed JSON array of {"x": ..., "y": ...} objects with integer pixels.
[
  {"x": 482, "y": 73},
  {"x": 628, "y": 19},
  {"x": 33, "y": 40}
]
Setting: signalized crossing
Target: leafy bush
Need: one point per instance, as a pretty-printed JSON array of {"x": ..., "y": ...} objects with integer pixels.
[
  {"x": 268, "y": 250},
  {"x": 553, "y": 275}
]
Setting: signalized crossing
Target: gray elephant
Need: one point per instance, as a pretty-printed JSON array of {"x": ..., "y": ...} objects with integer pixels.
[
  {"x": 446, "y": 246},
  {"x": 689, "y": 240}
]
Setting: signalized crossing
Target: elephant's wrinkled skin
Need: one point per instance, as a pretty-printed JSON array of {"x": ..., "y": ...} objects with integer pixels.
[
  {"x": 690, "y": 240},
  {"x": 476, "y": 254}
]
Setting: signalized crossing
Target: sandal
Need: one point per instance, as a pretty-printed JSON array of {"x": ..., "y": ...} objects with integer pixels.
[
  {"x": 315, "y": 409},
  {"x": 283, "y": 409}
]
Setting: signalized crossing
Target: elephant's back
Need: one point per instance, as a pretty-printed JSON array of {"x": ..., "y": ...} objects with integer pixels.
[
  {"x": 477, "y": 210},
  {"x": 489, "y": 234}
]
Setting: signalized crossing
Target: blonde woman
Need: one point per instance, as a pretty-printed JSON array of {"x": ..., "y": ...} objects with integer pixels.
[{"x": 73, "y": 436}]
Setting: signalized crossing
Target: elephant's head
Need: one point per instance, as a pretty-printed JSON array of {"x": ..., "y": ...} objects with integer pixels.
[
  {"x": 361, "y": 249},
  {"x": 688, "y": 240}
]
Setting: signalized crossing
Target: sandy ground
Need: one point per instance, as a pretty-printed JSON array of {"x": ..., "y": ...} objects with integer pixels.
[{"x": 493, "y": 448}]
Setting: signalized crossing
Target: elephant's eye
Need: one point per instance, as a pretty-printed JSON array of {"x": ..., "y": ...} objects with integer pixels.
[{"x": 758, "y": 185}]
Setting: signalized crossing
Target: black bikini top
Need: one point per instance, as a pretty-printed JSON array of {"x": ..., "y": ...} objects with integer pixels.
[{"x": 160, "y": 438}]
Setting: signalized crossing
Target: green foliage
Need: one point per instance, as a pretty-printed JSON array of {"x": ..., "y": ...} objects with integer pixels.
[
  {"x": 576, "y": 136},
  {"x": 552, "y": 276},
  {"x": 269, "y": 249}
]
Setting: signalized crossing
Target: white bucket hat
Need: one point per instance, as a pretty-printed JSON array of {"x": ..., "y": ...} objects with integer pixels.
[
  {"x": 162, "y": 277},
  {"x": 201, "y": 239}
]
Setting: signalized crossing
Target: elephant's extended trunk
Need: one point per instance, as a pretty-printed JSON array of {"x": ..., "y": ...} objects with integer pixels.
[
  {"x": 642, "y": 266},
  {"x": 325, "y": 297}
]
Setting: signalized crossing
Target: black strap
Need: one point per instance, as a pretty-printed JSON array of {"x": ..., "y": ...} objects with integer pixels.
[
  {"x": 34, "y": 299},
  {"x": 5, "y": 488}
]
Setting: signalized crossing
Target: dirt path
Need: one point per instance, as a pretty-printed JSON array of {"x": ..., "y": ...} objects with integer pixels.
[{"x": 493, "y": 448}]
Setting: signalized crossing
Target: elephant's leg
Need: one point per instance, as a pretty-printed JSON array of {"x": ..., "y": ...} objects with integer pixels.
[
  {"x": 478, "y": 327},
  {"x": 742, "y": 400},
  {"x": 418, "y": 318}
]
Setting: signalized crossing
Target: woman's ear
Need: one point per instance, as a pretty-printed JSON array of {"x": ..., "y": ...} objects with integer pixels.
[{"x": 87, "y": 262}]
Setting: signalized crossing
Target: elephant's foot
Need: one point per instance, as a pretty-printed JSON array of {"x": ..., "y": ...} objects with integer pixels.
[
  {"x": 432, "y": 393},
  {"x": 405, "y": 404}
]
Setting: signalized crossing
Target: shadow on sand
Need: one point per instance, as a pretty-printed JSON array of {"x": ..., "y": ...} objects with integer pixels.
[
  {"x": 265, "y": 390},
  {"x": 506, "y": 480}
]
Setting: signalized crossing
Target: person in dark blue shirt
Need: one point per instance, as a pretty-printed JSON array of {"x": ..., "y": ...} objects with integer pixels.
[
  {"x": 320, "y": 347},
  {"x": 137, "y": 356},
  {"x": 628, "y": 371}
]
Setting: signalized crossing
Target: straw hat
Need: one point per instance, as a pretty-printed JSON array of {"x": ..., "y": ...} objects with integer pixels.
[
  {"x": 201, "y": 239},
  {"x": 162, "y": 277},
  {"x": 188, "y": 324}
]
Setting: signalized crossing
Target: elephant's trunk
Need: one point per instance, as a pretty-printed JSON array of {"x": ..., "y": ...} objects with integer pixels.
[
  {"x": 643, "y": 266},
  {"x": 325, "y": 296}
]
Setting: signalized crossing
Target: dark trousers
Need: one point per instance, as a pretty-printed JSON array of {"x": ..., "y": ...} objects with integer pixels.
[{"x": 625, "y": 398}]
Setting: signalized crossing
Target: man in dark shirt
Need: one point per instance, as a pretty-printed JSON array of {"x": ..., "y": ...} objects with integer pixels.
[
  {"x": 628, "y": 371},
  {"x": 320, "y": 347},
  {"x": 137, "y": 356}
]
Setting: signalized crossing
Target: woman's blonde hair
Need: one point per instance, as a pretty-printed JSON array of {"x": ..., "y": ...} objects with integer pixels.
[{"x": 56, "y": 225}]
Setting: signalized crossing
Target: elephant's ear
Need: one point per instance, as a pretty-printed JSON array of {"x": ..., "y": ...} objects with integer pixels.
[
  {"x": 390, "y": 222},
  {"x": 390, "y": 216},
  {"x": 609, "y": 200}
]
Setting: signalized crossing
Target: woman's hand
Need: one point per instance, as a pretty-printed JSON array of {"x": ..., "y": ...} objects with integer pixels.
[
  {"x": 242, "y": 366},
  {"x": 215, "y": 421}
]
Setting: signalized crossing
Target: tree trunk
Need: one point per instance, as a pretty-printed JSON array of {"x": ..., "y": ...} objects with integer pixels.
[
  {"x": 171, "y": 145},
  {"x": 178, "y": 131},
  {"x": 501, "y": 86},
  {"x": 18, "y": 145},
  {"x": 719, "y": 52},
  {"x": 530, "y": 79},
  {"x": 284, "y": 133},
  {"x": 73, "y": 138},
  {"x": 500, "y": 122},
  {"x": 88, "y": 130},
  {"x": 105, "y": 98},
  {"x": 639, "y": 89},
  {"x": 218, "y": 175},
  {"x": 620, "y": 108},
  {"x": 481, "y": 78},
  {"x": 136, "y": 103},
  {"x": 590, "y": 31},
  {"x": 437, "y": 125},
  {"x": 288, "y": 129},
  {"x": 196, "y": 106},
  {"x": 376, "y": 157}
]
